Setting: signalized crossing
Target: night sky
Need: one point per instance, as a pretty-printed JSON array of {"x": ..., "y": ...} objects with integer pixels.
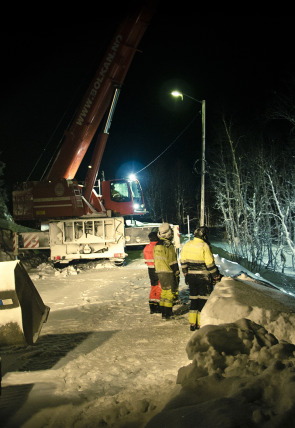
[{"x": 236, "y": 63}]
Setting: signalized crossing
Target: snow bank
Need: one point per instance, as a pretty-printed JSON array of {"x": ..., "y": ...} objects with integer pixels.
[
  {"x": 242, "y": 297},
  {"x": 240, "y": 376},
  {"x": 243, "y": 368}
]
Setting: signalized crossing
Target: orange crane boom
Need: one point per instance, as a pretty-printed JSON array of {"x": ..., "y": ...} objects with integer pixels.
[
  {"x": 59, "y": 195},
  {"x": 110, "y": 74}
]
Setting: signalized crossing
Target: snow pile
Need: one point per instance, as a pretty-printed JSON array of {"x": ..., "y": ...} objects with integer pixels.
[
  {"x": 240, "y": 376},
  {"x": 243, "y": 368}
]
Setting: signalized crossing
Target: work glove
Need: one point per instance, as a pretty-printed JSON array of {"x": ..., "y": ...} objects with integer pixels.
[{"x": 176, "y": 299}]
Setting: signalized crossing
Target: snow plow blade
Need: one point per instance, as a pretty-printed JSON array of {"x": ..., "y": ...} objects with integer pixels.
[{"x": 22, "y": 311}]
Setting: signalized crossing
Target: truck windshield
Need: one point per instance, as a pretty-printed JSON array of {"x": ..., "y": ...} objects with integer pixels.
[
  {"x": 136, "y": 192},
  {"x": 138, "y": 204},
  {"x": 128, "y": 191},
  {"x": 120, "y": 191}
]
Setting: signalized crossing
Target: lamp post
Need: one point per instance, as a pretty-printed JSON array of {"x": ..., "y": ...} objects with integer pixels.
[{"x": 203, "y": 102}]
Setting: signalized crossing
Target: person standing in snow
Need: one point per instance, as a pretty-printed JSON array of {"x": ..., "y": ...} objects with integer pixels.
[
  {"x": 155, "y": 292},
  {"x": 200, "y": 272},
  {"x": 167, "y": 269}
]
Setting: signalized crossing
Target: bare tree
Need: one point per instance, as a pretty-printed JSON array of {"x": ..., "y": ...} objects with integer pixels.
[
  {"x": 283, "y": 194},
  {"x": 255, "y": 193}
]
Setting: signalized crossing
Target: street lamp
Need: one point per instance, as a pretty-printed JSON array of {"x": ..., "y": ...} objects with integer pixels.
[{"x": 203, "y": 102}]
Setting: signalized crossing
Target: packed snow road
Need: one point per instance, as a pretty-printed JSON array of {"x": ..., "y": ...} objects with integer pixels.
[{"x": 101, "y": 360}]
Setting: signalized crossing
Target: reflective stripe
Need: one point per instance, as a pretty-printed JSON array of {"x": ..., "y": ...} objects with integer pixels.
[
  {"x": 166, "y": 299},
  {"x": 5, "y": 302},
  {"x": 57, "y": 199},
  {"x": 31, "y": 240},
  {"x": 50, "y": 206},
  {"x": 195, "y": 272},
  {"x": 199, "y": 297}
]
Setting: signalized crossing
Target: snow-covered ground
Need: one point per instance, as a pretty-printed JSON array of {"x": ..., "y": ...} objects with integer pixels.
[{"x": 103, "y": 361}]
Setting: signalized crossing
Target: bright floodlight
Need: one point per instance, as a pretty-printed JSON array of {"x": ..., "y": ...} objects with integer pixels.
[
  {"x": 132, "y": 177},
  {"x": 177, "y": 94}
]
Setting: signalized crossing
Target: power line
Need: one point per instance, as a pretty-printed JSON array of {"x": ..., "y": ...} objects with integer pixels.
[{"x": 168, "y": 147}]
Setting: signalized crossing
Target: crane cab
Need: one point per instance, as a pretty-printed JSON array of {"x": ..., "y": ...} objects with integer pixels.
[{"x": 123, "y": 197}]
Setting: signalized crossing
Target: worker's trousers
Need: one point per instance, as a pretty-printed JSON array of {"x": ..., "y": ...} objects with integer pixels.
[
  {"x": 169, "y": 285},
  {"x": 200, "y": 287},
  {"x": 155, "y": 292}
]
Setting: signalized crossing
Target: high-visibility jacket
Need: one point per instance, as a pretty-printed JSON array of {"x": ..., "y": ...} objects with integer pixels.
[
  {"x": 165, "y": 258},
  {"x": 148, "y": 254},
  {"x": 196, "y": 258},
  {"x": 149, "y": 261}
]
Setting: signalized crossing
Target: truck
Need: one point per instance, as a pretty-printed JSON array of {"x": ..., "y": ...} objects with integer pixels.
[{"x": 88, "y": 220}]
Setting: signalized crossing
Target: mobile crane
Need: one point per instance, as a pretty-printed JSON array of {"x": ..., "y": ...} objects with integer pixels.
[{"x": 84, "y": 223}]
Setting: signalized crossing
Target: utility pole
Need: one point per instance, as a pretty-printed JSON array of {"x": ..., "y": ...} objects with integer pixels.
[
  {"x": 203, "y": 167},
  {"x": 203, "y": 171}
]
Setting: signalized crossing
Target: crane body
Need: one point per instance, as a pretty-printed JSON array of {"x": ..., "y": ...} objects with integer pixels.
[{"x": 81, "y": 220}]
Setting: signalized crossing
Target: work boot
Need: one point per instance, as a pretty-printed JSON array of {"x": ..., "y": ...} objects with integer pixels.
[
  {"x": 192, "y": 327},
  {"x": 194, "y": 320}
]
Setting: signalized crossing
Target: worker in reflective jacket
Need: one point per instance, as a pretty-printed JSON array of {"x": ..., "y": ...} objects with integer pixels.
[
  {"x": 201, "y": 273},
  {"x": 167, "y": 269},
  {"x": 155, "y": 292}
]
